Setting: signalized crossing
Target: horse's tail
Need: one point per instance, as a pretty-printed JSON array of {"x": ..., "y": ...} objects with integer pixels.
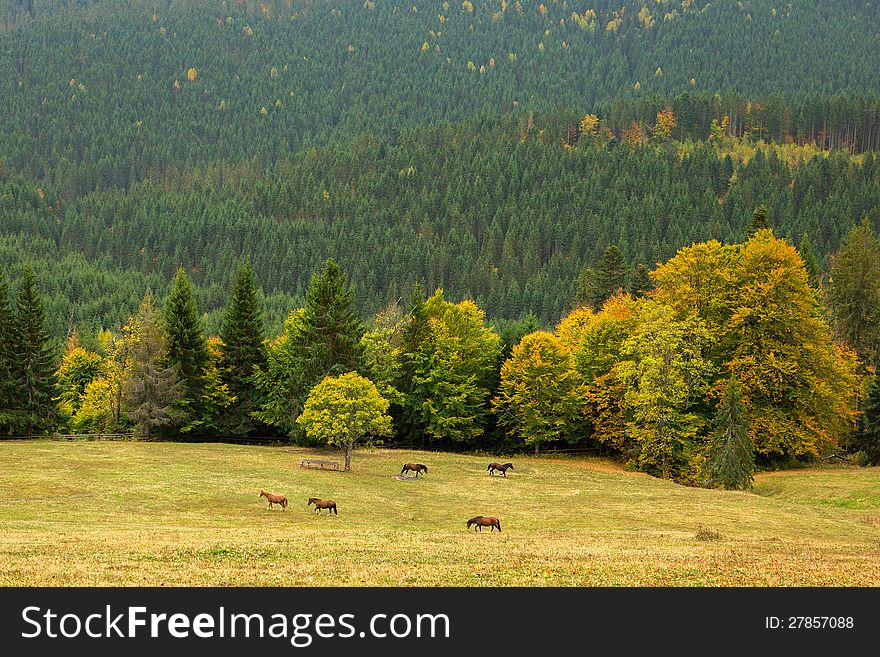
[
  {"x": 403, "y": 469},
  {"x": 283, "y": 502}
]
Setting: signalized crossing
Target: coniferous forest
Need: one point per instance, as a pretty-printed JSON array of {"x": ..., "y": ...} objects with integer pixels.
[{"x": 646, "y": 228}]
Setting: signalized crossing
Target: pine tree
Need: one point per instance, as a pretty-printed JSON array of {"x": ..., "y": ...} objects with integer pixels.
[
  {"x": 867, "y": 438},
  {"x": 587, "y": 292},
  {"x": 7, "y": 381},
  {"x": 759, "y": 220},
  {"x": 731, "y": 461},
  {"x": 242, "y": 349},
  {"x": 35, "y": 355},
  {"x": 152, "y": 388},
  {"x": 187, "y": 347},
  {"x": 612, "y": 275},
  {"x": 809, "y": 258}
]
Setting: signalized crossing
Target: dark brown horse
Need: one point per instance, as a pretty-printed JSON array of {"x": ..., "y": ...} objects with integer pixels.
[
  {"x": 484, "y": 521},
  {"x": 275, "y": 499},
  {"x": 330, "y": 505},
  {"x": 415, "y": 467},
  {"x": 501, "y": 467}
]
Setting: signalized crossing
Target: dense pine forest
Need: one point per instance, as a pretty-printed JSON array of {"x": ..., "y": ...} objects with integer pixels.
[{"x": 206, "y": 207}]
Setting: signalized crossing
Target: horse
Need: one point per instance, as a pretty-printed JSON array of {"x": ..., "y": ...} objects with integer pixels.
[
  {"x": 275, "y": 499},
  {"x": 415, "y": 467},
  {"x": 484, "y": 521},
  {"x": 502, "y": 467},
  {"x": 330, "y": 505}
]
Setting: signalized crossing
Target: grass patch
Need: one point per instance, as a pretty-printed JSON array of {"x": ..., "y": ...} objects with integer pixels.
[{"x": 116, "y": 513}]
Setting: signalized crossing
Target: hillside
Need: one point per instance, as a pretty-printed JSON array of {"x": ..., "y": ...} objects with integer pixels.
[{"x": 141, "y": 514}]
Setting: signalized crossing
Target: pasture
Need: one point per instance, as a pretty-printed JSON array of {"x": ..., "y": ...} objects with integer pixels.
[{"x": 129, "y": 513}]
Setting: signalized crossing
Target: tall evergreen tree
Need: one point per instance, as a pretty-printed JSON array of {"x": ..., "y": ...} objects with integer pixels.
[
  {"x": 641, "y": 281},
  {"x": 586, "y": 288},
  {"x": 330, "y": 329},
  {"x": 242, "y": 349},
  {"x": 151, "y": 386},
  {"x": 854, "y": 292},
  {"x": 867, "y": 438},
  {"x": 408, "y": 415},
  {"x": 34, "y": 359},
  {"x": 187, "y": 347},
  {"x": 731, "y": 460},
  {"x": 612, "y": 275},
  {"x": 759, "y": 220},
  {"x": 809, "y": 257},
  {"x": 7, "y": 381}
]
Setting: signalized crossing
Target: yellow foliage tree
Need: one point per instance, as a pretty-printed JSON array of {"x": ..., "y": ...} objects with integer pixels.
[{"x": 191, "y": 74}]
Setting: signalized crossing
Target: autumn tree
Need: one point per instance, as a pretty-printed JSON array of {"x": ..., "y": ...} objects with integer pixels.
[
  {"x": 756, "y": 300},
  {"x": 854, "y": 292},
  {"x": 345, "y": 410},
  {"x": 538, "y": 399},
  {"x": 664, "y": 124},
  {"x": 78, "y": 368},
  {"x": 731, "y": 462}
]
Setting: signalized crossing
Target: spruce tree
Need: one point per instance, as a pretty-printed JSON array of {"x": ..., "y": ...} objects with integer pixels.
[
  {"x": 34, "y": 359},
  {"x": 731, "y": 460},
  {"x": 641, "y": 281},
  {"x": 7, "y": 382},
  {"x": 854, "y": 292},
  {"x": 612, "y": 275},
  {"x": 187, "y": 347},
  {"x": 242, "y": 349},
  {"x": 415, "y": 329},
  {"x": 151, "y": 387},
  {"x": 759, "y": 220},
  {"x": 330, "y": 333},
  {"x": 586, "y": 288},
  {"x": 809, "y": 258},
  {"x": 867, "y": 438}
]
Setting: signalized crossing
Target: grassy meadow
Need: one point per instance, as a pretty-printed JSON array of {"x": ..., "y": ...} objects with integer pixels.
[{"x": 131, "y": 513}]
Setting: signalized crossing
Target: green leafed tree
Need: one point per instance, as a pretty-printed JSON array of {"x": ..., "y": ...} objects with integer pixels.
[
  {"x": 345, "y": 410},
  {"x": 152, "y": 388},
  {"x": 242, "y": 350},
  {"x": 34, "y": 359},
  {"x": 539, "y": 396},
  {"x": 666, "y": 374},
  {"x": 731, "y": 460},
  {"x": 455, "y": 370}
]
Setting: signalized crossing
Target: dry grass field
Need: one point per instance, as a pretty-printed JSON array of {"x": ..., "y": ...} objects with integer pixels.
[{"x": 126, "y": 513}]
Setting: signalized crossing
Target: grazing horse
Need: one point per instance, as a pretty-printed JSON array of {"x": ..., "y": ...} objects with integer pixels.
[
  {"x": 415, "y": 467},
  {"x": 501, "y": 467},
  {"x": 330, "y": 505},
  {"x": 484, "y": 521},
  {"x": 275, "y": 499}
]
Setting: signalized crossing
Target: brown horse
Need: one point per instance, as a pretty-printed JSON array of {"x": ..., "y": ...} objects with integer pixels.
[
  {"x": 501, "y": 467},
  {"x": 275, "y": 499},
  {"x": 415, "y": 467},
  {"x": 330, "y": 505},
  {"x": 484, "y": 521}
]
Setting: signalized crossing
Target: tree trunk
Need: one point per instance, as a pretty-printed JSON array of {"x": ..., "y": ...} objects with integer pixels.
[
  {"x": 348, "y": 457},
  {"x": 537, "y": 449}
]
